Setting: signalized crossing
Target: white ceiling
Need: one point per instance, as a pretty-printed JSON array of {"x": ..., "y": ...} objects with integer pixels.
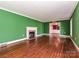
[{"x": 44, "y": 11}]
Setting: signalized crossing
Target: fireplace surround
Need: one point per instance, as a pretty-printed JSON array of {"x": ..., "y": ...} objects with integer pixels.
[{"x": 31, "y": 32}]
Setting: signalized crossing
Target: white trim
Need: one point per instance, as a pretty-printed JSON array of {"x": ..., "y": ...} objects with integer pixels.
[
  {"x": 54, "y": 31},
  {"x": 43, "y": 34},
  {"x": 18, "y": 40},
  {"x": 71, "y": 27},
  {"x": 46, "y": 34},
  {"x": 40, "y": 35},
  {"x": 30, "y": 28},
  {"x": 65, "y": 36},
  {"x": 26, "y": 15},
  {"x": 75, "y": 45},
  {"x": 19, "y": 14},
  {"x": 14, "y": 41}
]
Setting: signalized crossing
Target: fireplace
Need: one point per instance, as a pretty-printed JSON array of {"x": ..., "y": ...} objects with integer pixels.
[{"x": 31, "y": 32}]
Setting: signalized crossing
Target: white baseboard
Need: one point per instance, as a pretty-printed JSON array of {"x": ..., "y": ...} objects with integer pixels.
[
  {"x": 75, "y": 45},
  {"x": 46, "y": 34},
  {"x": 14, "y": 41},
  {"x": 40, "y": 35},
  {"x": 71, "y": 40},
  {"x": 65, "y": 36},
  {"x": 18, "y": 40}
]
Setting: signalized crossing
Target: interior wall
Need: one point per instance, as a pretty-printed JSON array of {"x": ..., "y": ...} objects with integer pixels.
[
  {"x": 54, "y": 27},
  {"x": 64, "y": 27},
  {"x": 46, "y": 27},
  {"x": 13, "y": 26},
  {"x": 75, "y": 25}
]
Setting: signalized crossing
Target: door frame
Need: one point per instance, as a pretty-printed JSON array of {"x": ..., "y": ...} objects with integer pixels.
[{"x": 51, "y": 31}]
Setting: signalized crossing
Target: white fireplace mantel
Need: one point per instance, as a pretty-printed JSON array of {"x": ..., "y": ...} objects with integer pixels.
[{"x": 30, "y": 28}]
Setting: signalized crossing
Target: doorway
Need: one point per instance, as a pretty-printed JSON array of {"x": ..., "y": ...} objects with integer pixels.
[{"x": 54, "y": 28}]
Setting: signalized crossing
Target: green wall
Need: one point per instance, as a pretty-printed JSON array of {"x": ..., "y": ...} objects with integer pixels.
[
  {"x": 75, "y": 25},
  {"x": 46, "y": 27},
  {"x": 65, "y": 27},
  {"x": 13, "y": 26}
]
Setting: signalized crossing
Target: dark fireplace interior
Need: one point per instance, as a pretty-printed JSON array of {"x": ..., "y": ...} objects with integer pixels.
[{"x": 31, "y": 34}]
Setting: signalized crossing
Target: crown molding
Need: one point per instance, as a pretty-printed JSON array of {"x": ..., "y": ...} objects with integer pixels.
[{"x": 19, "y": 14}]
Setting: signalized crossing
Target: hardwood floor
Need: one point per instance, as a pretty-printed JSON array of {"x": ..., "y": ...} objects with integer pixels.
[{"x": 42, "y": 47}]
